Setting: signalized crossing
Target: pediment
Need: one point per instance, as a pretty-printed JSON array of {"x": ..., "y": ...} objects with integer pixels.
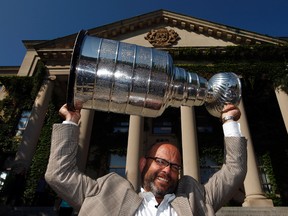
[
  {"x": 192, "y": 32},
  {"x": 164, "y": 26}
]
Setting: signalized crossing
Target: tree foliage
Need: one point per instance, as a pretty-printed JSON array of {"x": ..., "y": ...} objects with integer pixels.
[
  {"x": 250, "y": 62},
  {"x": 21, "y": 92},
  {"x": 40, "y": 159}
]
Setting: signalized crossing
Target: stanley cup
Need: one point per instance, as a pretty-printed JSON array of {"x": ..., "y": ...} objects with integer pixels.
[{"x": 113, "y": 76}]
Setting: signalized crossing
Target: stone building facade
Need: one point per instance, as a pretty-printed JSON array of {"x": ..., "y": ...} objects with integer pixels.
[{"x": 188, "y": 127}]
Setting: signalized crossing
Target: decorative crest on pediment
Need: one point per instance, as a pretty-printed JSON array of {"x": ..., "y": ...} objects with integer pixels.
[{"x": 162, "y": 37}]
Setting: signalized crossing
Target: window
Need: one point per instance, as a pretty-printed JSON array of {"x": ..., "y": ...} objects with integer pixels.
[
  {"x": 267, "y": 186},
  {"x": 117, "y": 164},
  {"x": 204, "y": 123},
  {"x": 121, "y": 127},
  {"x": 162, "y": 127},
  {"x": 207, "y": 169},
  {"x": 205, "y": 129},
  {"x": 22, "y": 124},
  {"x": 3, "y": 176}
]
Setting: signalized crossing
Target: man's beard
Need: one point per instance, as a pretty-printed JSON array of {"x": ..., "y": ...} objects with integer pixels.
[{"x": 156, "y": 190}]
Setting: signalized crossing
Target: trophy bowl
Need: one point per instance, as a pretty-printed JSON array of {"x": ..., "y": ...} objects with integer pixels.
[{"x": 224, "y": 88}]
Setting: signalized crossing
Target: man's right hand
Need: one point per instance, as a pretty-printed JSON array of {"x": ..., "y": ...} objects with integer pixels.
[{"x": 73, "y": 116}]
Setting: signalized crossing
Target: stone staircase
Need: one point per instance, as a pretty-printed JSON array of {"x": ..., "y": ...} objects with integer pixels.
[
  {"x": 225, "y": 211},
  {"x": 27, "y": 211},
  {"x": 253, "y": 211}
]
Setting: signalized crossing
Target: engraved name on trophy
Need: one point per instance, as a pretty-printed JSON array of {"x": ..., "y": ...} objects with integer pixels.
[{"x": 113, "y": 76}]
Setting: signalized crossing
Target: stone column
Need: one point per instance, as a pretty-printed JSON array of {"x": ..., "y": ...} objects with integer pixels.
[
  {"x": 282, "y": 98},
  {"x": 31, "y": 134},
  {"x": 189, "y": 143},
  {"x": 86, "y": 124},
  {"x": 135, "y": 135},
  {"x": 254, "y": 194}
]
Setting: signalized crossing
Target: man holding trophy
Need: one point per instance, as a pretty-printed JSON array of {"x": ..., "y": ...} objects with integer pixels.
[{"x": 130, "y": 81}]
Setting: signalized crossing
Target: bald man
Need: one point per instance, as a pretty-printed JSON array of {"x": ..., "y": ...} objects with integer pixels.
[{"x": 162, "y": 192}]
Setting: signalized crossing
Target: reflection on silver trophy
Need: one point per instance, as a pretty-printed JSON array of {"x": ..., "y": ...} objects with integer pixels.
[{"x": 125, "y": 78}]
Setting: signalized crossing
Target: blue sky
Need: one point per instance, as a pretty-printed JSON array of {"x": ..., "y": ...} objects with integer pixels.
[{"x": 45, "y": 20}]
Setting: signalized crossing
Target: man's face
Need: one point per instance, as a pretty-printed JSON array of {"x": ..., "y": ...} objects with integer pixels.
[{"x": 159, "y": 177}]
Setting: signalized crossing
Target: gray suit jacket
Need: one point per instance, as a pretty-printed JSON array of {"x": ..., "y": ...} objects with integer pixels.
[{"x": 113, "y": 195}]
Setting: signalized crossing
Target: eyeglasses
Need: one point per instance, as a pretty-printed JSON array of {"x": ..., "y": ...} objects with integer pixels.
[{"x": 164, "y": 163}]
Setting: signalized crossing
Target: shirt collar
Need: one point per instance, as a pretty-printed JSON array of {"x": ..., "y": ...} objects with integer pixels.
[{"x": 149, "y": 197}]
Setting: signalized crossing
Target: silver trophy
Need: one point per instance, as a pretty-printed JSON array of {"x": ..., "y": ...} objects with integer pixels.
[{"x": 113, "y": 76}]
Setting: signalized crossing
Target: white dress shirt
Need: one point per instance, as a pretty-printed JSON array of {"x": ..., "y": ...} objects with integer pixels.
[
  {"x": 232, "y": 129},
  {"x": 149, "y": 205}
]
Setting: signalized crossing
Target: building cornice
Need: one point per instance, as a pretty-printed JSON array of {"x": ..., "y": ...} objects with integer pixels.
[
  {"x": 9, "y": 70},
  {"x": 199, "y": 26},
  {"x": 60, "y": 49}
]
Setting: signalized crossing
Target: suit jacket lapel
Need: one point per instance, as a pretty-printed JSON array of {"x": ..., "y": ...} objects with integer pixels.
[
  {"x": 181, "y": 205},
  {"x": 130, "y": 204}
]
